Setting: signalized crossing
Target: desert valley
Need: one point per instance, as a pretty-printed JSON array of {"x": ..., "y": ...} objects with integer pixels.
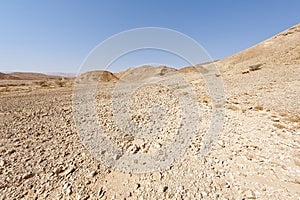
[{"x": 256, "y": 156}]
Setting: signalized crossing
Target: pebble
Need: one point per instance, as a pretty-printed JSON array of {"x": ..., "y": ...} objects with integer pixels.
[
  {"x": 101, "y": 192},
  {"x": 69, "y": 170},
  {"x": 92, "y": 174},
  {"x": 2, "y": 163},
  {"x": 28, "y": 175},
  {"x": 58, "y": 170},
  {"x": 69, "y": 190},
  {"x": 165, "y": 188}
]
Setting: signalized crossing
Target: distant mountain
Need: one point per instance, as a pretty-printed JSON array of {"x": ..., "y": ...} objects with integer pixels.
[
  {"x": 34, "y": 76},
  {"x": 4, "y": 76}
]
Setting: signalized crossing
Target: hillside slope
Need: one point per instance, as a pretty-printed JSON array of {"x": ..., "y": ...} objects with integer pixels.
[{"x": 281, "y": 49}]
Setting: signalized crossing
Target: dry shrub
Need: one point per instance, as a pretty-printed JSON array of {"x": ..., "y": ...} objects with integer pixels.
[
  {"x": 258, "y": 107},
  {"x": 278, "y": 125},
  {"x": 43, "y": 83},
  {"x": 232, "y": 107},
  {"x": 204, "y": 99},
  {"x": 60, "y": 83},
  {"x": 292, "y": 118}
]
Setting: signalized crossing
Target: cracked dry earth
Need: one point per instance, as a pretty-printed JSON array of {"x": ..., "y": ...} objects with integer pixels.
[{"x": 256, "y": 156}]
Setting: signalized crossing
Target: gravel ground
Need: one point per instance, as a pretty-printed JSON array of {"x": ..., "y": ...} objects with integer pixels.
[{"x": 42, "y": 156}]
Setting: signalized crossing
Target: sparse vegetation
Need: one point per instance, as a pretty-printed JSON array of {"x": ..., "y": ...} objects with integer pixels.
[
  {"x": 280, "y": 126},
  {"x": 61, "y": 83},
  {"x": 292, "y": 118},
  {"x": 43, "y": 83},
  {"x": 258, "y": 107},
  {"x": 232, "y": 107}
]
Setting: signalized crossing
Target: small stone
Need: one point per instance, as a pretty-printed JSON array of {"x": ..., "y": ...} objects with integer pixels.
[
  {"x": 58, "y": 170},
  {"x": 181, "y": 188},
  {"x": 70, "y": 170},
  {"x": 66, "y": 186},
  {"x": 92, "y": 174},
  {"x": 11, "y": 152},
  {"x": 83, "y": 197},
  {"x": 101, "y": 193},
  {"x": 116, "y": 157},
  {"x": 249, "y": 194},
  {"x": 245, "y": 71},
  {"x": 165, "y": 188},
  {"x": 221, "y": 143},
  {"x": 69, "y": 190},
  {"x": 2, "y": 163},
  {"x": 203, "y": 194},
  {"x": 137, "y": 186},
  {"x": 28, "y": 175},
  {"x": 129, "y": 194}
]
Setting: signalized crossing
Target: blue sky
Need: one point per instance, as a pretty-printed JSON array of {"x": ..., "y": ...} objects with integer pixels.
[{"x": 57, "y": 35}]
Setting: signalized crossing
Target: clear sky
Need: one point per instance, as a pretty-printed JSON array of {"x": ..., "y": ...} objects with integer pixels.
[{"x": 57, "y": 35}]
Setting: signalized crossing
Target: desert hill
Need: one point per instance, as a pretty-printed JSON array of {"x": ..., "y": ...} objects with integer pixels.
[
  {"x": 144, "y": 72},
  {"x": 100, "y": 75},
  {"x": 266, "y": 74},
  {"x": 4, "y": 76},
  {"x": 34, "y": 76},
  {"x": 281, "y": 49}
]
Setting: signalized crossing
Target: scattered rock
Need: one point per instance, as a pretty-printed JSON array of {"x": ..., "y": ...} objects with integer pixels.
[
  {"x": 249, "y": 194},
  {"x": 165, "y": 188},
  {"x": 70, "y": 170},
  {"x": 58, "y": 170},
  {"x": 101, "y": 192},
  {"x": 255, "y": 67},
  {"x": 137, "y": 186},
  {"x": 2, "y": 162},
  {"x": 28, "y": 175},
  {"x": 69, "y": 190},
  {"x": 92, "y": 174},
  {"x": 280, "y": 126},
  {"x": 258, "y": 107}
]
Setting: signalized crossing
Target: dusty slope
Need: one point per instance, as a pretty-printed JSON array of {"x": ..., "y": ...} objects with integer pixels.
[
  {"x": 98, "y": 75},
  {"x": 267, "y": 73},
  {"x": 281, "y": 49},
  {"x": 146, "y": 71}
]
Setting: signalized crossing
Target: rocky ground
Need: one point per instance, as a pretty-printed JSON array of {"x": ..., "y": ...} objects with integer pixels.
[
  {"x": 42, "y": 156},
  {"x": 256, "y": 156}
]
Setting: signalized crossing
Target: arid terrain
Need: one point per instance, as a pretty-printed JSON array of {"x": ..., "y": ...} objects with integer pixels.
[{"x": 256, "y": 156}]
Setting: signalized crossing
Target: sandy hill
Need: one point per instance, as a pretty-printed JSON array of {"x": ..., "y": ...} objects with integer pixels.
[
  {"x": 4, "y": 76},
  {"x": 281, "y": 49},
  {"x": 121, "y": 73},
  {"x": 144, "y": 72},
  {"x": 104, "y": 76},
  {"x": 266, "y": 74}
]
